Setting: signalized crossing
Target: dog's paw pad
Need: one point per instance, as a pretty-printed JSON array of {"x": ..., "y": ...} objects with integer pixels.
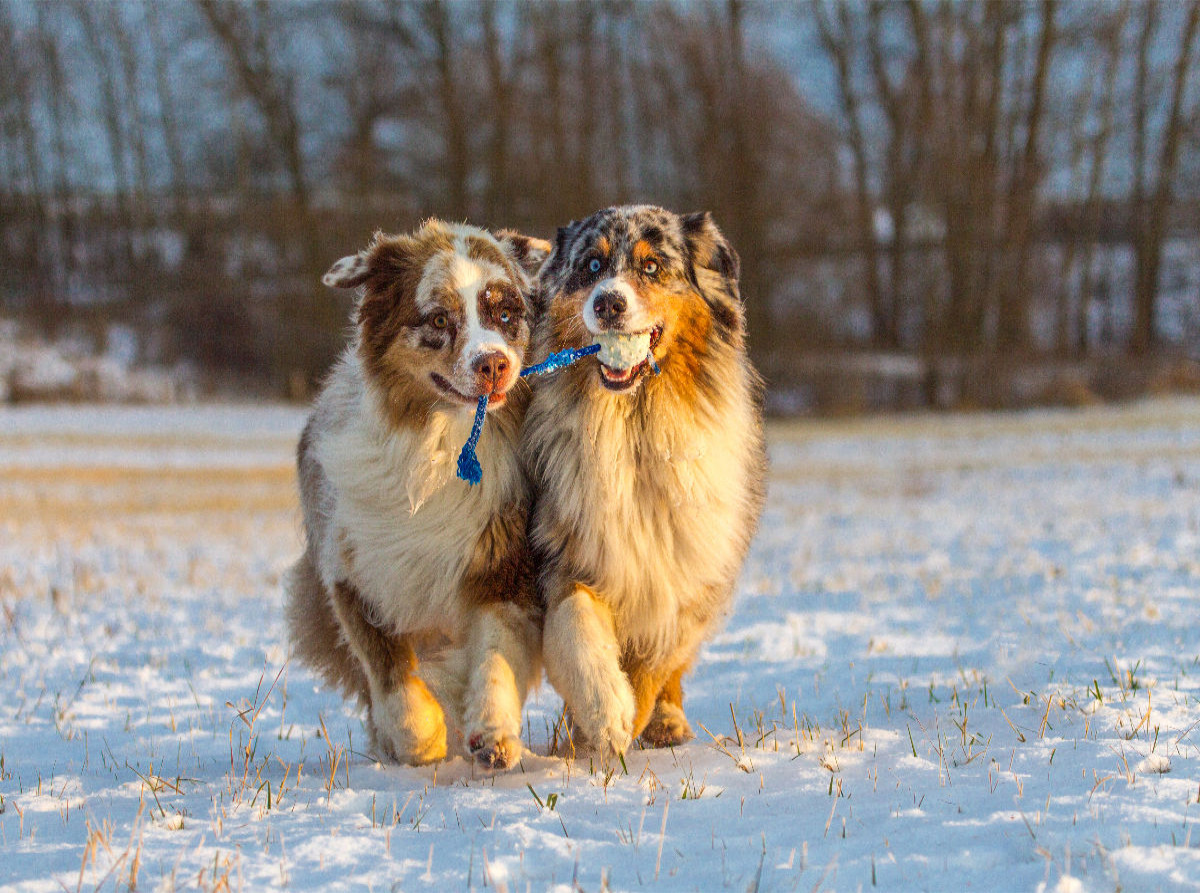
[{"x": 495, "y": 753}]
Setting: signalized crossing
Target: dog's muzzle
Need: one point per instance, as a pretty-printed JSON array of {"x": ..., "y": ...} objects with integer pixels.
[{"x": 491, "y": 373}]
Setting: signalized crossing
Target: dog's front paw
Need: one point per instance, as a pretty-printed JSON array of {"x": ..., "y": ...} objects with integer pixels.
[
  {"x": 668, "y": 727},
  {"x": 407, "y": 725},
  {"x": 492, "y": 714},
  {"x": 495, "y": 751},
  {"x": 605, "y": 721}
]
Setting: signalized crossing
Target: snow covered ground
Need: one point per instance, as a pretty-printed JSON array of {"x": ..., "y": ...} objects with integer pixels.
[{"x": 965, "y": 655}]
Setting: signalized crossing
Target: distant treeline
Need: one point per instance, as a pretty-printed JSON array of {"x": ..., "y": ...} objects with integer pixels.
[{"x": 931, "y": 178}]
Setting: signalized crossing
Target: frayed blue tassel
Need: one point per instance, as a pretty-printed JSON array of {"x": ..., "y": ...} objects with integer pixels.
[
  {"x": 469, "y": 468},
  {"x": 561, "y": 359}
]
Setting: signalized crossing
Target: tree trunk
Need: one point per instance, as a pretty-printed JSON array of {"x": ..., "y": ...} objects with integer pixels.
[
  {"x": 167, "y": 113},
  {"x": 16, "y": 87},
  {"x": 316, "y": 337},
  {"x": 1151, "y": 234},
  {"x": 839, "y": 45},
  {"x": 743, "y": 173},
  {"x": 453, "y": 115},
  {"x": 1096, "y": 176},
  {"x": 1013, "y": 334},
  {"x": 899, "y": 175},
  {"x": 498, "y": 199}
]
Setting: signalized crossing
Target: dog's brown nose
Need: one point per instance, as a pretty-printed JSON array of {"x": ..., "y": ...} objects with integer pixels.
[
  {"x": 489, "y": 369},
  {"x": 609, "y": 306}
]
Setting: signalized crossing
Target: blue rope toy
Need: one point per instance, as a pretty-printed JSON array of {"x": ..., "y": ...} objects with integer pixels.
[{"x": 469, "y": 468}]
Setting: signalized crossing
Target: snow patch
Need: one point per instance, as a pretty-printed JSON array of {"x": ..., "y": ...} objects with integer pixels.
[{"x": 1154, "y": 764}]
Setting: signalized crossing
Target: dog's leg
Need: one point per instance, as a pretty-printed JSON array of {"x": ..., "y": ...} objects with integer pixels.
[
  {"x": 444, "y": 668},
  {"x": 658, "y": 695},
  {"x": 505, "y": 640},
  {"x": 646, "y": 682},
  {"x": 406, "y": 722},
  {"x": 667, "y": 726},
  {"x": 504, "y": 645},
  {"x": 583, "y": 663},
  {"x": 316, "y": 634}
]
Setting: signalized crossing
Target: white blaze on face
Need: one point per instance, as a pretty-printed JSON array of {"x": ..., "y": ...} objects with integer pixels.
[
  {"x": 468, "y": 278},
  {"x": 636, "y": 318}
]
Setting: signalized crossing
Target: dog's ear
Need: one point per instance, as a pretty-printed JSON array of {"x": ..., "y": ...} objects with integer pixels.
[
  {"x": 385, "y": 259},
  {"x": 708, "y": 246},
  {"x": 529, "y": 252},
  {"x": 559, "y": 254},
  {"x": 349, "y": 272},
  {"x": 715, "y": 268}
]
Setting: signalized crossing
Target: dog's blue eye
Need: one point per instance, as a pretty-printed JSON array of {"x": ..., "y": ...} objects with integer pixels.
[
  {"x": 594, "y": 265},
  {"x": 650, "y": 267}
]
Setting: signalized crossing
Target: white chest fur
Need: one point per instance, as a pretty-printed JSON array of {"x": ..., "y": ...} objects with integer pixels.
[
  {"x": 655, "y": 503},
  {"x": 404, "y": 527}
]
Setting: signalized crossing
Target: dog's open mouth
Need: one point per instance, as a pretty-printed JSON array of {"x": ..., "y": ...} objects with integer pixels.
[
  {"x": 496, "y": 398},
  {"x": 625, "y": 356}
]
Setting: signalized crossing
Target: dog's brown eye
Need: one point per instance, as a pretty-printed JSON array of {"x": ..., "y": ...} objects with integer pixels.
[
  {"x": 440, "y": 321},
  {"x": 650, "y": 267},
  {"x": 505, "y": 317}
]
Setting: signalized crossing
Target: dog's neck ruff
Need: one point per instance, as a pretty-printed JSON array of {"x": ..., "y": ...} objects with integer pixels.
[{"x": 469, "y": 468}]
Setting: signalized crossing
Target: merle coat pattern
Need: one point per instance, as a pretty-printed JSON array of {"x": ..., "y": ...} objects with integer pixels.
[{"x": 649, "y": 486}]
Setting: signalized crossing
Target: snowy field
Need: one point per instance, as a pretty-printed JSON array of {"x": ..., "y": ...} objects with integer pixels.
[{"x": 965, "y": 655}]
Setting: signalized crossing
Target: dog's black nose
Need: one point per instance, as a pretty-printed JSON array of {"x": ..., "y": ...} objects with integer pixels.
[
  {"x": 490, "y": 367},
  {"x": 609, "y": 306}
]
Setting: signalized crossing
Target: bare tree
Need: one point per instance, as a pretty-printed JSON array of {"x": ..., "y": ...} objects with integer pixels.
[
  {"x": 901, "y": 79},
  {"x": 950, "y": 121},
  {"x": 368, "y": 82},
  {"x": 747, "y": 168},
  {"x": 452, "y": 109},
  {"x": 99, "y": 26},
  {"x": 1090, "y": 148},
  {"x": 60, "y": 232},
  {"x": 1151, "y": 214},
  {"x": 839, "y": 41},
  {"x": 245, "y": 34},
  {"x": 25, "y": 174},
  {"x": 1020, "y": 209},
  {"x": 168, "y": 113},
  {"x": 501, "y": 91}
]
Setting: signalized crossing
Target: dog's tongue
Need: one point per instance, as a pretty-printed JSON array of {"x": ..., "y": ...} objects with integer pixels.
[
  {"x": 616, "y": 375},
  {"x": 619, "y": 350}
]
